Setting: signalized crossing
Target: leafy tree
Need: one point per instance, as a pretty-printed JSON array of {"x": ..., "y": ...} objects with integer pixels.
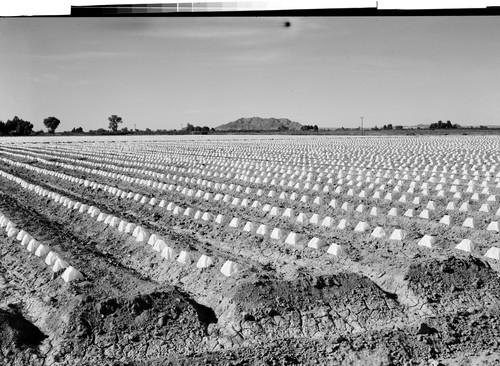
[
  {"x": 315, "y": 128},
  {"x": 3, "y": 128},
  {"x": 114, "y": 120},
  {"x": 441, "y": 125},
  {"x": 51, "y": 123},
  {"x": 77, "y": 130},
  {"x": 309, "y": 127},
  {"x": 17, "y": 127},
  {"x": 385, "y": 127},
  {"x": 189, "y": 127},
  {"x": 205, "y": 129},
  {"x": 24, "y": 128},
  {"x": 389, "y": 126},
  {"x": 11, "y": 124}
]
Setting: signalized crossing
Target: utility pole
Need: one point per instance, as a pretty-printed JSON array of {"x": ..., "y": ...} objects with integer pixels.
[{"x": 362, "y": 132}]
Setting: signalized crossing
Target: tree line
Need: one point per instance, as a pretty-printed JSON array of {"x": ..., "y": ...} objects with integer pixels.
[
  {"x": 16, "y": 127},
  {"x": 440, "y": 125},
  {"x": 190, "y": 128},
  {"x": 19, "y": 127},
  {"x": 432, "y": 126},
  {"x": 309, "y": 127}
]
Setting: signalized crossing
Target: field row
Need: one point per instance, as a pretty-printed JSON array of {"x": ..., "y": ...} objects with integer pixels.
[{"x": 253, "y": 227}]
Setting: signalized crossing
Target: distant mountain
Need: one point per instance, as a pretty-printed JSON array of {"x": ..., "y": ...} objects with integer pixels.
[{"x": 258, "y": 123}]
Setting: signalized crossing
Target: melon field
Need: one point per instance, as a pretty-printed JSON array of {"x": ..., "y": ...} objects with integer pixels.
[{"x": 250, "y": 250}]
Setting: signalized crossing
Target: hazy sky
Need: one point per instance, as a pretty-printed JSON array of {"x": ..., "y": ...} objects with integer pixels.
[{"x": 164, "y": 72}]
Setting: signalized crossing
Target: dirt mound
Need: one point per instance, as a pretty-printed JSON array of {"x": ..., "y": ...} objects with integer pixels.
[
  {"x": 457, "y": 282},
  {"x": 311, "y": 307},
  {"x": 18, "y": 333},
  {"x": 145, "y": 326},
  {"x": 19, "y": 339}
]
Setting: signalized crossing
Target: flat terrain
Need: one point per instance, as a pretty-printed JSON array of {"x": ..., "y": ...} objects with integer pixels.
[{"x": 250, "y": 250}]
